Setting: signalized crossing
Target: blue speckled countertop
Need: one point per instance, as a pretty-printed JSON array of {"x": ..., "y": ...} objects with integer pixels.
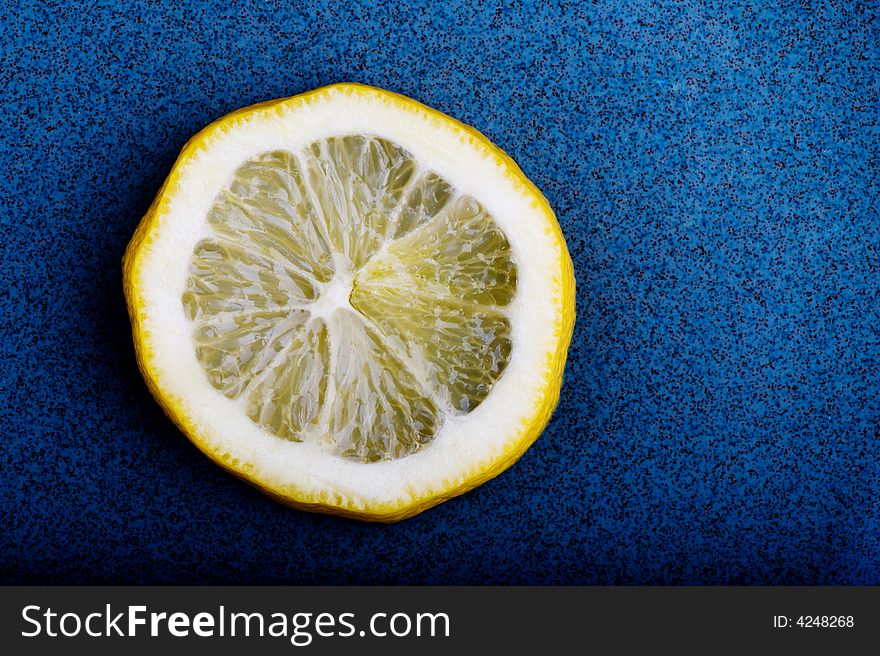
[{"x": 715, "y": 172}]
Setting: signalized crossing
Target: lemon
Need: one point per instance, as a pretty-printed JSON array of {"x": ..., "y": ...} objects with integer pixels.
[{"x": 352, "y": 301}]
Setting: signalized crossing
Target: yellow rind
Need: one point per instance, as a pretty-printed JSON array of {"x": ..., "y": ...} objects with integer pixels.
[{"x": 305, "y": 499}]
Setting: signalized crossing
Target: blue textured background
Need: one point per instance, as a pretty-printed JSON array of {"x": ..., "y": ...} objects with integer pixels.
[{"x": 715, "y": 172}]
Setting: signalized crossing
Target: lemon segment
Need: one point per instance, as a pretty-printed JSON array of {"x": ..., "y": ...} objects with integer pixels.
[
  {"x": 439, "y": 292},
  {"x": 380, "y": 410}
]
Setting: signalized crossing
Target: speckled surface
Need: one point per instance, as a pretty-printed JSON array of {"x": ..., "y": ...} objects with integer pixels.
[{"x": 715, "y": 173}]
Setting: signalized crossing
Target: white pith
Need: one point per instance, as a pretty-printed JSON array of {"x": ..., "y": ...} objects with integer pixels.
[{"x": 465, "y": 444}]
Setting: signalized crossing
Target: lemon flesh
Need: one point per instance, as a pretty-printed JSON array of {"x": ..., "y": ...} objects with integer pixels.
[
  {"x": 352, "y": 301},
  {"x": 344, "y": 287}
]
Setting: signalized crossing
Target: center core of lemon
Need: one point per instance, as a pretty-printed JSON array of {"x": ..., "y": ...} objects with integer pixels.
[{"x": 335, "y": 295}]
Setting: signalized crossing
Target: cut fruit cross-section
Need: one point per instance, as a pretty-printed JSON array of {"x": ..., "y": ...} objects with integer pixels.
[{"x": 352, "y": 301}]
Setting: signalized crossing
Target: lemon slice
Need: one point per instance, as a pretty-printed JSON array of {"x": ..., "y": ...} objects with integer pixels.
[{"x": 352, "y": 301}]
